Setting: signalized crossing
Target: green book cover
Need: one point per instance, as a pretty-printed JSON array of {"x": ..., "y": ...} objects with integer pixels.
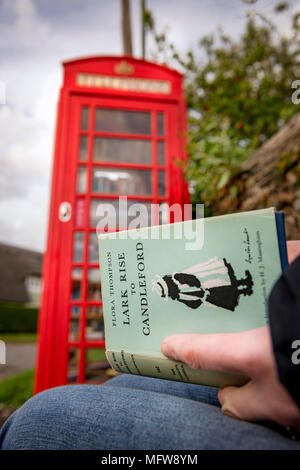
[{"x": 202, "y": 276}]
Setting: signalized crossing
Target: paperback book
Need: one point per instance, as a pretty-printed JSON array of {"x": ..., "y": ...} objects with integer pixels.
[{"x": 209, "y": 275}]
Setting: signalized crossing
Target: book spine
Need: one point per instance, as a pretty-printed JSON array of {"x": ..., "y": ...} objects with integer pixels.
[{"x": 126, "y": 362}]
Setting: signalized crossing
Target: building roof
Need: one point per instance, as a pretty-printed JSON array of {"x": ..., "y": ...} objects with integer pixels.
[{"x": 15, "y": 265}]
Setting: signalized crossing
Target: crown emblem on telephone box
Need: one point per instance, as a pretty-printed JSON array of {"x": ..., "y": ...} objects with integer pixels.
[{"x": 124, "y": 68}]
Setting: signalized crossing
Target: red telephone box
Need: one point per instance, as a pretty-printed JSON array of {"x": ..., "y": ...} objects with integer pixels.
[{"x": 120, "y": 131}]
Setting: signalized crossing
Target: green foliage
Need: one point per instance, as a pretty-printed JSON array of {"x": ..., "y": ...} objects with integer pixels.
[
  {"x": 238, "y": 94},
  {"x": 16, "y": 318},
  {"x": 15, "y": 390},
  {"x": 213, "y": 159},
  {"x": 287, "y": 161}
]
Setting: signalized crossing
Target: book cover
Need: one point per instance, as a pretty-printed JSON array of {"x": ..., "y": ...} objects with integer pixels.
[{"x": 209, "y": 275}]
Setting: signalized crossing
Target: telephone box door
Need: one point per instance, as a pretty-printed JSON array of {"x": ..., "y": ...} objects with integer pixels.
[{"x": 111, "y": 147}]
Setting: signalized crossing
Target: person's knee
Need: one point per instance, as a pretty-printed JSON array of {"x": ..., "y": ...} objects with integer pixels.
[
  {"x": 43, "y": 411},
  {"x": 48, "y": 401}
]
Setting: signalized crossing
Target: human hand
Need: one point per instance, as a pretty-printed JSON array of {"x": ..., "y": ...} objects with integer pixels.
[
  {"x": 293, "y": 250},
  {"x": 249, "y": 353}
]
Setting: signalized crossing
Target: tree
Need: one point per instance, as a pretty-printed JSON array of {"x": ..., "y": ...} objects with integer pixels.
[
  {"x": 147, "y": 24},
  {"x": 126, "y": 28},
  {"x": 238, "y": 96}
]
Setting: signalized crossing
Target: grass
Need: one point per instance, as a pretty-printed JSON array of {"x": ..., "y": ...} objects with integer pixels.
[
  {"x": 95, "y": 355},
  {"x": 18, "y": 337},
  {"x": 17, "y": 389}
]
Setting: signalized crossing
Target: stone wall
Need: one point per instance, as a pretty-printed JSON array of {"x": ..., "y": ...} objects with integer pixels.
[{"x": 271, "y": 177}]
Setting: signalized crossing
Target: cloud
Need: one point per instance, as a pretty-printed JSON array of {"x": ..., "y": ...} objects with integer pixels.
[
  {"x": 39, "y": 35},
  {"x": 27, "y": 20}
]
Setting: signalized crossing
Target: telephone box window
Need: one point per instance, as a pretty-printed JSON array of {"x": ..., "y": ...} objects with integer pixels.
[
  {"x": 79, "y": 212},
  {"x": 161, "y": 183},
  {"x": 85, "y": 111},
  {"x": 121, "y": 181},
  {"x": 94, "y": 284},
  {"x": 76, "y": 283},
  {"x": 81, "y": 179},
  {"x": 94, "y": 323},
  {"x": 123, "y": 122},
  {"x": 83, "y": 145},
  {"x": 78, "y": 247},
  {"x": 93, "y": 248},
  {"x": 73, "y": 362},
  {"x": 122, "y": 150},
  {"x": 74, "y": 323},
  {"x": 144, "y": 214},
  {"x": 94, "y": 218},
  {"x": 94, "y": 357},
  {"x": 161, "y": 153},
  {"x": 160, "y": 124}
]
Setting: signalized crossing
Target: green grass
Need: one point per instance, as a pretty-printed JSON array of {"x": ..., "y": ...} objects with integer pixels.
[
  {"x": 18, "y": 337},
  {"x": 15, "y": 390},
  {"x": 95, "y": 355}
]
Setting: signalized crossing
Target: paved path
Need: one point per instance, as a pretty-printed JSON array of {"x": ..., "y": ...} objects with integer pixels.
[{"x": 19, "y": 357}]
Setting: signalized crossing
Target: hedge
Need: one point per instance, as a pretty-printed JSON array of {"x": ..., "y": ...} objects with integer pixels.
[{"x": 16, "y": 318}]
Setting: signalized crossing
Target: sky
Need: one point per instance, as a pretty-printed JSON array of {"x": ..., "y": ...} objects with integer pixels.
[{"x": 35, "y": 37}]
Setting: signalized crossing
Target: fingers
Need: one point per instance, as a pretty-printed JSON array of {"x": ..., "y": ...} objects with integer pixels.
[
  {"x": 293, "y": 249},
  {"x": 243, "y": 402},
  {"x": 229, "y": 352}
]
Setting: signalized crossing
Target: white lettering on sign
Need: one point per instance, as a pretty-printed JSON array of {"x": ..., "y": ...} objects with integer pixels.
[{"x": 123, "y": 83}]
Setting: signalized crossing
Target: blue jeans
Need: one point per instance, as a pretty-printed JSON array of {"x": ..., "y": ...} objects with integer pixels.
[{"x": 130, "y": 412}]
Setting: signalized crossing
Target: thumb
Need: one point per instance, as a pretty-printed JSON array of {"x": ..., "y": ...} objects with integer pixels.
[
  {"x": 243, "y": 402},
  {"x": 219, "y": 352}
]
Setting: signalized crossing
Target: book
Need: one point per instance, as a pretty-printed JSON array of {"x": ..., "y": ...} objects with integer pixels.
[{"x": 210, "y": 275}]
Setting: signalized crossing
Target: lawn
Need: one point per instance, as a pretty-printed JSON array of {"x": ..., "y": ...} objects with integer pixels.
[
  {"x": 18, "y": 337},
  {"x": 15, "y": 390}
]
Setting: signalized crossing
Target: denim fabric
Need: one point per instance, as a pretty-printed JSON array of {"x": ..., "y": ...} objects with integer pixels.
[{"x": 132, "y": 413}]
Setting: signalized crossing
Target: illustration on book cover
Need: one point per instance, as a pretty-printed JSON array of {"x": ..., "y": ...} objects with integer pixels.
[{"x": 212, "y": 283}]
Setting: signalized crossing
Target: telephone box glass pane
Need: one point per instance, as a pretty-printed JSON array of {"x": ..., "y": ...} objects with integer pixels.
[
  {"x": 96, "y": 363},
  {"x": 136, "y": 209},
  {"x": 74, "y": 323},
  {"x": 124, "y": 122},
  {"x": 160, "y": 124},
  {"x": 76, "y": 283},
  {"x": 81, "y": 179},
  {"x": 73, "y": 364},
  {"x": 78, "y": 247},
  {"x": 93, "y": 248},
  {"x": 161, "y": 183},
  {"x": 83, "y": 144},
  {"x": 94, "y": 323},
  {"x": 80, "y": 212},
  {"x": 161, "y": 153},
  {"x": 94, "y": 284},
  {"x": 84, "y": 124},
  {"x": 121, "y": 181},
  {"x": 122, "y": 150}
]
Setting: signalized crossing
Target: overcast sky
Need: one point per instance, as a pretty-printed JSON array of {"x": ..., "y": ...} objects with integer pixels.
[{"x": 36, "y": 36}]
